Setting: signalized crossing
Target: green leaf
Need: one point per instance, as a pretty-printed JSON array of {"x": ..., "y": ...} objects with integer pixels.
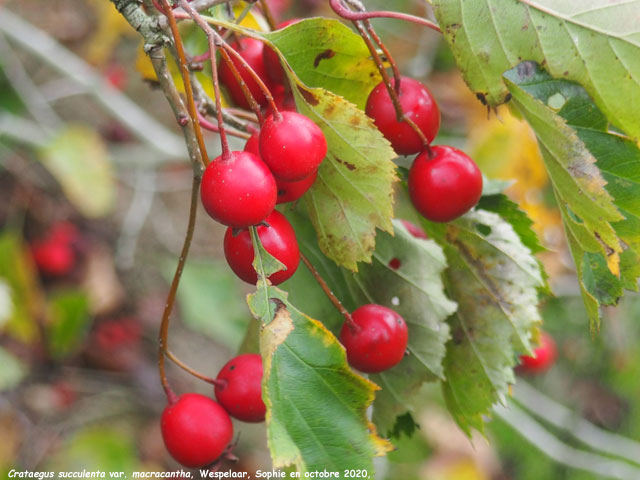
[
  {"x": 325, "y": 53},
  {"x": 316, "y": 406},
  {"x": 78, "y": 159},
  {"x": 595, "y": 44},
  {"x": 19, "y": 284},
  {"x": 414, "y": 289},
  {"x": 12, "y": 370},
  {"x": 592, "y": 172},
  {"x": 353, "y": 194},
  {"x": 96, "y": 448},
  {"x": 494, "y": 278},
  {"x": 206, "y": 301},
  {"x": 69, "y": 321},
  {"x": 323, "y": 425}
]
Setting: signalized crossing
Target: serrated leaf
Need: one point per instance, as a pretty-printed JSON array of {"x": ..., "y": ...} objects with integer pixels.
[
  {"x": 494, "y": 278},
  {"x": 612, "y": 163},
  {"x": 353, "y": 194},
  {"x": 325, "y": 53},
  {"x": 323, "y": 425},
  {"x": 69, "y": 321},
  {"x": 78, "y": 159},
  {"x": 596, "y": 44},
  {"x": 405, "y": 275}
]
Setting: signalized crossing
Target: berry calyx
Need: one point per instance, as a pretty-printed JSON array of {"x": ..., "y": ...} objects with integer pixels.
[
  {"x": 417, "y": 104},
  {"x": 543, "y": 356},
  {"x": 272, "y": 60},
  {"x": 279, "y": 239},
  {"x": 378, "y": 340},
  {"x": 292, "y": 191},
  {"x": 250, "y": 50},
  {"x": 196, "y": 430},
  {"x": 292, "y": 146},
  {"x": 239, "y": 388},
  {"x": 445, "y": 186},
  {"x": 238, "y": 191}
]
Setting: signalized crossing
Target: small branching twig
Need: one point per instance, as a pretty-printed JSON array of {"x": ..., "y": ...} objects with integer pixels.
[{"x": 344, "y": 12}]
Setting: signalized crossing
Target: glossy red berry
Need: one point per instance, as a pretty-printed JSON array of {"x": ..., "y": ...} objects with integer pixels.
[
  {"x": 239, "y": 191},
  {"x": 543, "y": 356},
  {"x": 379, "y": 341},
  {"x": 253, "y": 145},
  {"x": 418, "y": 105},
  {"x": 250, "y": 50},
  {"x": 239, "y": 388},
  {"x": 414, "y": 229},
  {"x": 196, "y": 430},
  {"x": 291, "y": 191},
  {"x": 287, "y": 191},
  {"x": 272, "y": 60},
  {"x": 292, "y": 146},
  {"x": 279, "y": 239},
  {"x": 446, "y": 186}
]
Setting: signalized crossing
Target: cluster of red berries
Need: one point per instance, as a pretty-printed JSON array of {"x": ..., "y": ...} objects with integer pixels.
[
  {"x": 444, "y": 183},
  {"x": 198, "y": 430}
]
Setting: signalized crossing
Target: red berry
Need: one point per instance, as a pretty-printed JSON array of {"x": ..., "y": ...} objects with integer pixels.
[
  {"x": 238, "y": 192},
  {"x": 445, "y": 186},
  {"x": 272, "y": 60},
  {"x": 283, "y": 98},
  {"x": 543, "y": 357},
  {"x": 240, "y": 392},
  {"x": 291, "y": 191},
  {"x": 418, "y": 105},
  {"x": 380, "y": 341},
  {"x": 253, "y": 144},
  {"x": 414, "y": 229},
  {"x": 196, "y": 430},
  {"x": 292, "y": 146},
  {"x": 53, "y": 257},
  {"x": 279, "y": 239},
  {"x": 250, "y": 50}
]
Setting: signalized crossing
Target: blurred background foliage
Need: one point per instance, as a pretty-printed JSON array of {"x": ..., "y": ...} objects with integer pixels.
[{"x": 88, "y": 147}]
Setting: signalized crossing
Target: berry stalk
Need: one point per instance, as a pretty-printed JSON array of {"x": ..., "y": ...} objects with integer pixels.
[
  {"x": 325, "y": 288},
  {"x": 184, "y": 72}
]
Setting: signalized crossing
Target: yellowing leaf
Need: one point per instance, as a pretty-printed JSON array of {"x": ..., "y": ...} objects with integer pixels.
[{"x": 78, "y": 159}]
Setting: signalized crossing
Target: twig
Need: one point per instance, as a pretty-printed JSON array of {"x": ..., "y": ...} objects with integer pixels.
[
  {"x": 171, "y": 356},
  {"x": 560, "y": 416},
  {"x": 163, "y": 337},
  {"x": 335, "y": 300},
  {"x": 534, "y": 433},
  {"x": 337, "y": 7},
  {"x": 77, "y": 70},
  {"x": 29, "y": 93},
  {"x": 186, "y": 80}
]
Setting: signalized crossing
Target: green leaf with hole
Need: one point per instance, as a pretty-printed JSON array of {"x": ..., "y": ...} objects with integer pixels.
[
  {"x": 405, "y": 275},
  {"x": 592, "y": 173},
  {"x": 325, "y": 53},
  {"x": 68, "y": 323},
  {"x": 78, "y": 158},
  {"x": 494, "y": 278},
  {"x": 596, "y": 44}
]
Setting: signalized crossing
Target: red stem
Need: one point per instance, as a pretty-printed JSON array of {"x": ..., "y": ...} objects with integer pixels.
[{"x": 344, "y": 12}]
